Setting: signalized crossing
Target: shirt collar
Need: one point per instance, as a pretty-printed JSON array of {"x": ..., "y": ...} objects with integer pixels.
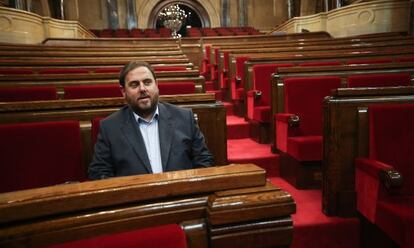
[{"x": 139, "y": 119}]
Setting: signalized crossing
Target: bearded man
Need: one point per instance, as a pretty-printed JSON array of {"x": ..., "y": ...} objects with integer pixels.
[{"x": 147, "y": 136}]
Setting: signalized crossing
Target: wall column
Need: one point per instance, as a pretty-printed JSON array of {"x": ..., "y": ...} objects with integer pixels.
[
  {"x": 242, "y": 13},
  {"x": 131, "y": 18},
  {"x": 291, "y": 8},
  {"x": 225, "y": 13},
  {"x": 113, "y": 21},
  {"x": 411, "y": 19}
]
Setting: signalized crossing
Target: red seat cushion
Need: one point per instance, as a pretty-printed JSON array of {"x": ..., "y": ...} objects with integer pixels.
[
  {"x": 95, "y": 129},
  {"x": 108, "y": 70},
  {"x": 32, "y": 93},
  {"x": 92, "y": 91},
  {"x": 166, "y": 236},
  {"x": 63, "y": 70},
  {"x": 305, "y": 148},
  {"x": 176, "y": 88},
  {"x": 9, "y": 71},
  {"x": 40, "y": 154},
  {"x": 170, "y": 68},
  {"x": 379, "y": 80},
  {"x": 304, "y": 97},
  {"x": 262, "y": 114}
]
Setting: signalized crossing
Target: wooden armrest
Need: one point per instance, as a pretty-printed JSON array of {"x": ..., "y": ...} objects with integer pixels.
[
  {"x": 294, "y": 121},
  {"x": 238, "y": 80},
  {"x": 257, "y": 94},
  {"x": 391, "y": 178}
]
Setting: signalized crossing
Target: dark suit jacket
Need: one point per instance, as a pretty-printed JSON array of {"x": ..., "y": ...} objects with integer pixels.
[{"x": 120, "y": 148}]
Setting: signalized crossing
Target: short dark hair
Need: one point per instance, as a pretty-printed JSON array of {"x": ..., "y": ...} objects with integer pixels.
[{"x": 131, "y": 66}]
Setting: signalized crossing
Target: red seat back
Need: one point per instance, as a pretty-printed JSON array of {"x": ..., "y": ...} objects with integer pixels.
[
  {"x": 63, "y": 70},
  {"x": 391, "y": 138},
  {"x": 13, "y": 71},
  {"x": 379, "y": 80},
  {"x": 176, "y": 88},
  {"x": 261, "y": 80},
  {"x": 303, "y": 96},
  {"x": 92, "y": 91},
  {"x": 34, "y": 93},
  {"x": 170, "y": 68},
  {"x": 40, "y": 154}
]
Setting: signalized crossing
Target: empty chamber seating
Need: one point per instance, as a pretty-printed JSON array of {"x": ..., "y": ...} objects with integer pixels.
[
  {"x": 40, "y": 154},
  {"x": 33, "y": 93},
  {"x": 92, "y": 91},
  {"x": 379, "y": 80},
  {"x": 299, "y": 128},
  {"x": 385, "y": 178}
]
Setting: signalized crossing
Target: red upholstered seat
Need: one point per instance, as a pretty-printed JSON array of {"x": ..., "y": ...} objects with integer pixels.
[
  {"x": 205, "y": 63},
  {"x": 40, "y": 154},
  {"x": 63, "y": 70},
  {"x": 391, "y": 136},
  {"x": 170, "y": 68},
  {"x": 369, "y": 61},
  {"x": 11, "y": 71},
  {"x": 405, "y": 59},
  {"x": 224, "y": 71},
  {"x": 95, "y": 129},
  {"x": 176, "y": 88},
  {"x": 259, "y": 96},
  {"x": 213, "y": 65},
  {"x": 166, "y": 236},
  {"x": 33, "y": 93},
  {"x": 379, "y": 80},
  {"x": 237, "y": 83},
  {"x": 92, "y": 91},
  {"x": 303, "y": 97},
  {"x": 108, "y": 70}
]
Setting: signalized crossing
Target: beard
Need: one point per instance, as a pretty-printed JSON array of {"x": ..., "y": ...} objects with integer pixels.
[{"x": 144, "y": 106}]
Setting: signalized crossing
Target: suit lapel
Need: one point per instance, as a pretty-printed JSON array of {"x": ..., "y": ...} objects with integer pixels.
[
  {"x": 132, "y": 133},
  {"x": 166, "y": 132}
]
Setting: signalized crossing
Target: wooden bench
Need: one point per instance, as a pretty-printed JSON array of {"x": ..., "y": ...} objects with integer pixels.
[
  {"x": 211, "y": 116},
  {"x": 341, "y": 147},
  {"x": 342, "y": 71},
  {"x": 62, "y": 80},
  {"x": 217, "y": 207}
]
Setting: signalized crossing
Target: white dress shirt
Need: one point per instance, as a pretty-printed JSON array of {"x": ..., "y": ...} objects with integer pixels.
[{"x": 150, "y": 134}]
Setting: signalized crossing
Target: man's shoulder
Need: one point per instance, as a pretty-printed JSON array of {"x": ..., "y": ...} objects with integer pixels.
[
  {"x": 174, "y": 108},
  {"x": 117, "y": 116}
]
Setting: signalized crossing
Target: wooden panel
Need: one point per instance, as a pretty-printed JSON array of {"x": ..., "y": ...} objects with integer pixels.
[
  {"x": 62, "y": 213},
  {"x": 341, "y": 142}
]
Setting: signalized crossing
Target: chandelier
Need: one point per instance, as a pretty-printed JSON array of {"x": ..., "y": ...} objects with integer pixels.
[{"x": 172, "y": 17}]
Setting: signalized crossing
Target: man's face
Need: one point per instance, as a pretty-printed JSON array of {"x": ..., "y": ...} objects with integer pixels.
[{"x": 141, "y": 92}]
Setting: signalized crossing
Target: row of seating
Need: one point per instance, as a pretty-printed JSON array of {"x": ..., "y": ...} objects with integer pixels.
[
  {"x": 292, "y": 105},
  {"x": 309, "y": 121},
  {"x": 165, "y": 32},
  {"x": 37, "y": 93}
]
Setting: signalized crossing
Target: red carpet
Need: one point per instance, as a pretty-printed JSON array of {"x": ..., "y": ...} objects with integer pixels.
[
  {"x": 314, "y": 229},
  {"x": 237, "y": 127},
  {"x": 311, "y": 227},
  {"x": 243, "y": 151}
]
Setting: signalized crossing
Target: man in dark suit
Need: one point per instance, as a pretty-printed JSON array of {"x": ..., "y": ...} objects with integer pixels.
[{"x": 147, "y": 136}]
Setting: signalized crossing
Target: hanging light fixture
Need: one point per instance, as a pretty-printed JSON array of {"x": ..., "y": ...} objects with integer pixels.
[{"x": 173, "y": 17}]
